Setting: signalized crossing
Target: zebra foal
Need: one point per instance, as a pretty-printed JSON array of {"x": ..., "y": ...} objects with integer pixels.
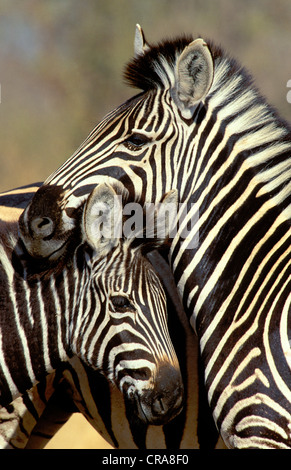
[
  {"x": 33, "y": 419},
  {"x": 105, "y": 304}
]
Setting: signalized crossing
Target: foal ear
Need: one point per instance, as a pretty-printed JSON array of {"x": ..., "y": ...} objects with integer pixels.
[
  {"x": 100, "y": 219},
  {"x": 194, "y": 74},
  {"x": 140, "y": 44}
]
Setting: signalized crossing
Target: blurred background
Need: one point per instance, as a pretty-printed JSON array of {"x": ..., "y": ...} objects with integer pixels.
[{"x": 61, "y": 66}]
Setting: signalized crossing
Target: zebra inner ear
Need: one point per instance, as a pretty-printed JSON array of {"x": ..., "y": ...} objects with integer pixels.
[
  {"x": 194, "y": 74},
  {"x": 100, "y": 219}
]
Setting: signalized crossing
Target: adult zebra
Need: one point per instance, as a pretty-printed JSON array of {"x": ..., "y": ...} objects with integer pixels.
[
  {"x": 103, "y": 303},
  {"x": 199, "y": 125}
]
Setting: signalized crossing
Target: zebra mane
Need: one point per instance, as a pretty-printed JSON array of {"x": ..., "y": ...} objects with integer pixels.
[
  {"x": 232, "y": 82},
  {"x": 152, "y": 69},
  {"x": 147, "y": 72}
]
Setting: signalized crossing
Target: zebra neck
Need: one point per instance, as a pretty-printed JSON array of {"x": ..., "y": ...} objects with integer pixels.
[
  {"x": 33, "y": 328},
  {"x": 239, "y": 185},
  {"x": 231, "y": 229}
]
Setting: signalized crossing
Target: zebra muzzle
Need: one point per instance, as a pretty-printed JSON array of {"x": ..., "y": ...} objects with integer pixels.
[{"x": 164, "y": 401}]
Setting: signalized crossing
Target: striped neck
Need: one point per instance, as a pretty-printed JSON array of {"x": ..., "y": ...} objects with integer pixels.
[
  {"x": 237, "y": 171},
  {"x": 34, "y": 334}
]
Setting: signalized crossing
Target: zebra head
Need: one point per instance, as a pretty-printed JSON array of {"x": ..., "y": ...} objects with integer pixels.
[
  {"x": 132, "y": 144},
  {"x": 123, "y": 328}
]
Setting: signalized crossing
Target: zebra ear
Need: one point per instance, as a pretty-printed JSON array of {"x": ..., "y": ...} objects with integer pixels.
[
  {"x": 140, "y": 44},
  {"x": 100, "y": 219},
  {"x": 194, "y": 74}
]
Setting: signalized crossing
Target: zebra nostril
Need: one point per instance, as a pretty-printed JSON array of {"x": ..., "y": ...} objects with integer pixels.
[
  {"x": 158, "y": 406},
  {"x": 42, "y": 226}
]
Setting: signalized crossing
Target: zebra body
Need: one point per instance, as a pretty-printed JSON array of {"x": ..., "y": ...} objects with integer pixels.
[
  {"x": 200, "y": 126},
  {"x": 109, "y": 310}
]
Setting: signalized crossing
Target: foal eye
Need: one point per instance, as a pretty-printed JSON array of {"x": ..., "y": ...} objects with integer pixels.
[
  {"x": 136, "y": 141},
  {"x": 120, "y": 302}
]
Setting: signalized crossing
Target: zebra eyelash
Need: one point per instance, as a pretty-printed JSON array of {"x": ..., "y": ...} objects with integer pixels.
[
  {"x": 121, "y": 303},
  {"x": 135, "y": 141}
]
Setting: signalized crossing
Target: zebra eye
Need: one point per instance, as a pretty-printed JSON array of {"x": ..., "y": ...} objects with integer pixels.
[
  {"x": 136, "y": 141},
  {"x": 121, "y": 303}
]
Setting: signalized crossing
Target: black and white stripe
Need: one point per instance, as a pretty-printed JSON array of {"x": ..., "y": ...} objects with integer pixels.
[
  {"x": 31, "y": 420},
  {"x": 103, "y": 303},
  {"x": 211, "y": 135}
]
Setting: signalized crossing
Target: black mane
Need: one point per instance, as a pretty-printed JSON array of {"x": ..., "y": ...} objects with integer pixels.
[
  {"x": 147, "y": 72},
  {"x": 141, "y": 72},
  {"x": 144, "y": 72}
]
